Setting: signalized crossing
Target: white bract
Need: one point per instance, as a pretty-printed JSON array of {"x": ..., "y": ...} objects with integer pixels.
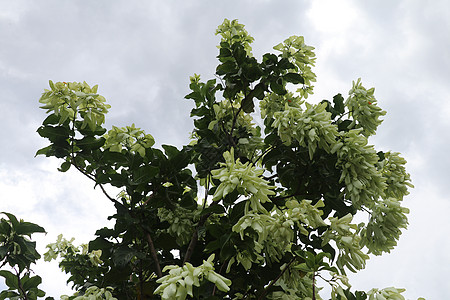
[
  {"x": 93, "y": 293},
  {"x": 243, "y": 177},
  {"x": 312, "y": 128},
  {"x": 364, "y": 183},
  {"x": 177, "y": 285},
  {"x": 303, "y": 57},
  {"x": 362, "y": 106},
  {"x": 67, "y": 99},
  {"x": 389, "y": 293},
  {"x": 345, "y": 235},
  {"x": 130, "y": 137}
]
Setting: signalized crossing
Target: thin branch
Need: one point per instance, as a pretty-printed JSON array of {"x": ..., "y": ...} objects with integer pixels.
[
  {"x": 20, "y": 286},
  {"x": 314, "y": 286},
  {"x": 93, "y": 179},
  {"x": 154, "y": 254},
  {"x": 266, "y": 290},
  {"x": 191, "y": 247},
  {"x": 262, "y": 155}
]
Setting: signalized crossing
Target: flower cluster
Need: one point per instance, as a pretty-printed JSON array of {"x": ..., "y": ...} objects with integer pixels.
[
  {"x": 273, "y": 102},
  {"x": 180, "y": 280},
  {"x": 312, "y": 128},
  {"x": 305, "y": 214},
  {"x": 132, "y": 138},
  {"x": 345, "y": 235},
  {"x": 275, "y": 234},
  {"x": 303, "y": 57},
  {"x": 65, "y": 248},
  {"x": 397, "y": 180},
  {"x": 233, "y": 32},
  {"x": 386, "y": 293},
  {"x": 362, "y": 106},
  {"x": 66, "y": 99},
  {"x": 243, "y": 177},
  {"x": 364, "y": 184},
  {"x": 383, "y": 230},
  {"x": 182, "y": 222},
  {"x": 92, "y": 293}
]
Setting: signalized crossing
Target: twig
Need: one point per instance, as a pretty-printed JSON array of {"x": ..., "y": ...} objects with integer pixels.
[
  {"x": 154, "y": 254},
  {"x": 191, "y": 247},
  {"x": 276, "y": 279}
]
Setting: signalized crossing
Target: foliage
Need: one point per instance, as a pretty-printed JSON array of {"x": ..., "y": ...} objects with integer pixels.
[
  {"x": 262, "y": 211},
  {"x": 19, "y": 252}
]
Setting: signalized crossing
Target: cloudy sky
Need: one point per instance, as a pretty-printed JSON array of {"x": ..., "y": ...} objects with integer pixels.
[{"x": 141, "y": 54}]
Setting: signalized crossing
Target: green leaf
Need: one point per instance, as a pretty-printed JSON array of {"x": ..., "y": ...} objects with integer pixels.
[
  {"x": 344, "y": 125},
  {"x": 9, "y": 295},
  {"x": 90, "y": 143},
  {"x": 247, "y": 105},
  {"x": 65, "y": 166},
  {"x": 12, "y": 218},
  {"x": 215, "y": 209},
  {"x": 51, "y": 120},
  {"x": 224, "y": 52},
  {"x": 294, "y": 78},
  {"x": 285, "y": 64},
  {"x": 10, "y": 279},
  {"x": 277, "y": 87},
  {"x": 53, "y": 132},
  {"x": 27, "y": 228},
  {"x": 123, "y": 255},
  {"x": 226, "y": 68},
  {"x": 170, "y": 151},
  {"x": 44, "y": 151},
  {"x": 339, "y": 104},
  {"x": 31, "y": 283},
  {"x": 144, "y": 174},
  {"x": 239, "y": 53},
  {"x": 212, "y": 246}
]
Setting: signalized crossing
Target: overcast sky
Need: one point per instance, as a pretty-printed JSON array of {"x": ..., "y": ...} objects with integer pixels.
[{"x": 141, "y": 54}]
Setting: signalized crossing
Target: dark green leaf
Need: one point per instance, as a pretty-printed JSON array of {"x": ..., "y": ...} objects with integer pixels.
[
  {"x": 344, "y": 125},
  {"x": 54, "y": 132},
  {"x": 226, "y": 68},
  {"x": 284, "y": 64},
  {"x": 27, "y": 228},
  {"x": 65, "y": 166},
  {"x": 44, "y": 151},
  {"x": 51, "y": 120},
  {"x": 31, "y": 283},
  {"x": 294, "y": 78},
  {"x": 215, "y": 209},
  {"x": 12, "y": 218},
  {"x": 339, "y": 104},
  {"x": 122, "y": 256},
  {"x": 10, "y": 279},
  {"x": 170, "y": 151},
  {"x": 277, "y": 87},
  {"x": 9, "y": 295},
  {"x": 90, "y": 143},
  {"x": 247, "y": 105}
]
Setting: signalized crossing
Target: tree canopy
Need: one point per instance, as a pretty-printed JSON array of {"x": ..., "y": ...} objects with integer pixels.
[{"x": 242, "y": 211}]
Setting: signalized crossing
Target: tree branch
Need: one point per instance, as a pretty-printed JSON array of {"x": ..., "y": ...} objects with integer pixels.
[
  {"x": 191, "y": 247},
  {"x": 153, "y": 253},
  {"x": 276, "y": 279}
]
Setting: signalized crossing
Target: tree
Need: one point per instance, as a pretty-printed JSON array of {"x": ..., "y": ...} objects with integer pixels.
[{"x": 242, "y": 211}]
